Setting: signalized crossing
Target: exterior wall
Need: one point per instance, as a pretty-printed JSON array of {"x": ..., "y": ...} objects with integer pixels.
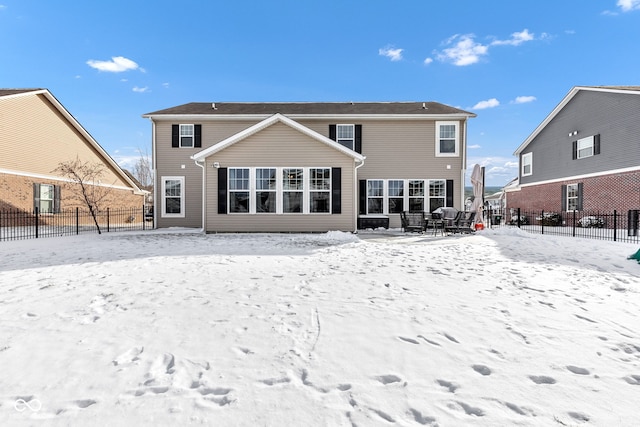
[
  {"x": 16, "y": 193},
  {"x": 614, "y": 116},
  {"x": 600, "y": 193},
  {"x": 36, "y": 138},
  {"x": 280, "y": 146},
  {"x": 394, "y": 149}
]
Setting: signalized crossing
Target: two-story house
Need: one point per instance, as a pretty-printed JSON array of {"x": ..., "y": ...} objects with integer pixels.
[
  {"x": 585, "y": 155},
  {"x": 305, "y": 167},
  {"x": 37, "y": 134}
]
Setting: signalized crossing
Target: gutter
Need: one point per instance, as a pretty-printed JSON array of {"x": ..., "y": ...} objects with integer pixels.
[{"x": 355, "y": 194}]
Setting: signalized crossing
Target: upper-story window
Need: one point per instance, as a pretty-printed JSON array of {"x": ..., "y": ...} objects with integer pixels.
[
  {"x": 447, "y": 142},
  {"x": 584, "y": 147},
  {"x": 346, "y": 135},
  {"x": 186, "y": 135},
  {"x": 527, "y": 164}
]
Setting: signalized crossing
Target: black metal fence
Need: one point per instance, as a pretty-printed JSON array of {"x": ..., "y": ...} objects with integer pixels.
[
  {"x": 621, "y": 226},
  {"x": 19, "y": 225}
]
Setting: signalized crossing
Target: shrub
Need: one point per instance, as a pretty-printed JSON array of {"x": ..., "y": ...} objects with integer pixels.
[
  {"x": 550, "y": 218},
  {"x": 591, "y": 222}
]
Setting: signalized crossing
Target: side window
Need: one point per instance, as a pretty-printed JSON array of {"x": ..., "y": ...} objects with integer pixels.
[
  {"x": 239, "y": 190},
  {"x": 447, "y": 143},
  {"x": 186, "y": 135},
  {"x": 375, "y": 196},
  {"x": 46, "y": 198},
  {"x": 527, "y": 164},
  {"x": 173, "y": 197}
]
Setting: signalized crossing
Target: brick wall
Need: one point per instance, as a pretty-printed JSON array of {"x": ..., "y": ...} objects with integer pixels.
[
  {"x": 16, "y": 192},
  {"x": 602, "y": 193}
]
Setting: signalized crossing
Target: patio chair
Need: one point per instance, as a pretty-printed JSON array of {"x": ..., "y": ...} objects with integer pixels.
[
  {"x": 451, "y": 226},
  {"x": 412, "y": 221},
  {"x": 465, "y": 225}
]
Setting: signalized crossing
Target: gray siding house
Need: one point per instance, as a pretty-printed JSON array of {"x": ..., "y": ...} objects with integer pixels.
[
  {"x": 585, "y": 155},
  {"x": 305, "y": 167}
]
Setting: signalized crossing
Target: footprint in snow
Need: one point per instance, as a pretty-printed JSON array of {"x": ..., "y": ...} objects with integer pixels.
[
  {"x": 577, "y": 370},
  {"x": 542, "y": 379},
  {"x": 389, "y": 379},
  {"x": 129, "y": 356},
  {"x": 482, "y": 369},
  {"x": 633, "y": 379}
]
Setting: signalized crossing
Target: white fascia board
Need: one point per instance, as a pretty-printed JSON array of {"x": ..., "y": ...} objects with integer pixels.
[
  {"x": 276, "y": 118},
  {"x": 187, "y": 118}
]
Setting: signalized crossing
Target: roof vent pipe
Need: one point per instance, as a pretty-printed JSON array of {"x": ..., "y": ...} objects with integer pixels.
[
  {"x": 424, "y": 106},
  {"x": 213, "y": 105}
]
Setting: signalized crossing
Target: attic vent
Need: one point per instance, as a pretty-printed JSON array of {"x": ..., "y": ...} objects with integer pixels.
[{"x": 213, "y": 105}]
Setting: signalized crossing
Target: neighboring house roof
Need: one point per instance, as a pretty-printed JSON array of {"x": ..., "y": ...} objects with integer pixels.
[
  {"x": 313, "y": 109},
  {"x": 565, "y": 101},
  {"x": 6, "y": 93},
  {"x": 276, "y": 118}
]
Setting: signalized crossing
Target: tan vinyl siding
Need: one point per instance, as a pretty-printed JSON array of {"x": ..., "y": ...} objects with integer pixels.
[
  {"x": 281, "y": 146},
  {"x": 35, "y": 138}
]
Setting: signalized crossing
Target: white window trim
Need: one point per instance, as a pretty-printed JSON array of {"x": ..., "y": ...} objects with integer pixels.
[
  {"x": 163, "y": 213},
  {"x": 405, "y": 194},
  {"x": 576, "y": 197},
  {"x": 353, "y": 132},
  {"x": 588, "y": 143},
  {"x": 526, "y": 156},
  {"x": 306, "y": 199},
  {"x": 456, "y": 153},
  {"x": 193, "y": 135}
]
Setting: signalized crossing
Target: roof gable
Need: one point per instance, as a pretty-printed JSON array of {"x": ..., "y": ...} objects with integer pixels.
[
  {"x": 633, "y": 90},
  {"x": 276, "y": 118}
]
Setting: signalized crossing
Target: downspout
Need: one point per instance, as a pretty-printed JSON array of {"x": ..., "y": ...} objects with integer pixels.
[
  {"x": 355, "y": 195},
  {"x": 202, "y": 165},
  {"x": 464, "y": 163},
  {"x": 154, "y": 164}
]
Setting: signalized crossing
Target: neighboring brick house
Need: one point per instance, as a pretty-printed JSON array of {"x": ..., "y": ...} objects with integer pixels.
[
  {"x": 584, "y": 156},
  {"x": 37, "y": 134},
  {"x": 305, "y": 167}
]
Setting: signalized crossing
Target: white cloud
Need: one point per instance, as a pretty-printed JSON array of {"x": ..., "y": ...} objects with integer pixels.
[
  {"x": 524, "y": 99},
  {"x": 474, "y": 146},
  {"x": 628, "y": 5},
  {"x": 118, "y": 64},
  {"x": 464, "y": 50},
  {"x": 498, "y": 170},
  {"x": 428, "y": 61},
  {"x": 165, "y": 85},
  {"x": 391, "y": 53},
  {"x": 489, "y": 103},
  {"x": 516, "y": 39},
  {"x": 140, "y": 89},
  {"x": 2, "y": 6}
]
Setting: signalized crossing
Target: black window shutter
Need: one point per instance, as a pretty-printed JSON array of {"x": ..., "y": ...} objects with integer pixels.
[
  {"x": 564, "y": 198},
  {"x": 449, "y": 191},
  {"x": 358, "y": 140},
  {"x": 36, "y": 196},
  {"x": 56, "y": 199},
  {"x": 336, "y": 190},
  {"x": 362, "y": 197},
  {"x": 575, "y": 150},
  {"x": 175, "y": 136},
  {"x": 332, "y": 132},
  {"x": 197, "y": 130},
  {"x": 596, "y": 144},
  {"x": 222, "y": 190},
  {"x": 579, "y": 196}
]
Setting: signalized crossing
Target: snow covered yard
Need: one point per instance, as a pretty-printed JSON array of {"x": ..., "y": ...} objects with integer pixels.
[{"x": 501, "y": 328}]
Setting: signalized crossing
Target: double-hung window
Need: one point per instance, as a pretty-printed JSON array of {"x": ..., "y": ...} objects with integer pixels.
[
  {"x": 585, "y": 147},
  {"x": 292, "y": 190},
  {"x": 396, "y": 195},
  {"x": 320, "y": 190},
  {"x": 239, "y": 190},
  {"x": 266, "y": 190},
  {"x": 173, "y": 196},
  {"x": 46, "y": 198},
  {"x": 345, "y": 135},
  {"x": 572, "y": 197},
  {"x": 416, "y": 195},
  {"x": 437, "y": 194},
  {"x": 375, "y": 196},
  {"x": 447, "y": 141},
  {"x": 186, "y": 135},
  {"x": 527, "y": 164}
]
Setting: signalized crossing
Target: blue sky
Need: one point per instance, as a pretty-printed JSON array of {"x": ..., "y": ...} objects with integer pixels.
[{"x": 510, "y": 62}]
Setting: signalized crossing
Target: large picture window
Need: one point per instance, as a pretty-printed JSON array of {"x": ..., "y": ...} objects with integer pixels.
[
  {"x": 447, "y": 143},
  {"x": 173, "y": 196}
]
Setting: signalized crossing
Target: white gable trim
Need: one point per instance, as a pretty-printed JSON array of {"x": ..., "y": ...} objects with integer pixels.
[
  {"x": 276, "y": 118},
  {"x": 562, "y": 104}
]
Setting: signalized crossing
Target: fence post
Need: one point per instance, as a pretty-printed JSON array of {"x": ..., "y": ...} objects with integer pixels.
[
  {"x": 77, "y": 220},
  {"x": 107, "y": 220},
  {"x": 573, "y": 234},
  {"x": 518, "y": 220},
  {"x": 542, "y": 221},
  {"x": 37, "y": 220},
  {"x": 615, "y": 225},
  {"x": 144, "y": 219}
]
